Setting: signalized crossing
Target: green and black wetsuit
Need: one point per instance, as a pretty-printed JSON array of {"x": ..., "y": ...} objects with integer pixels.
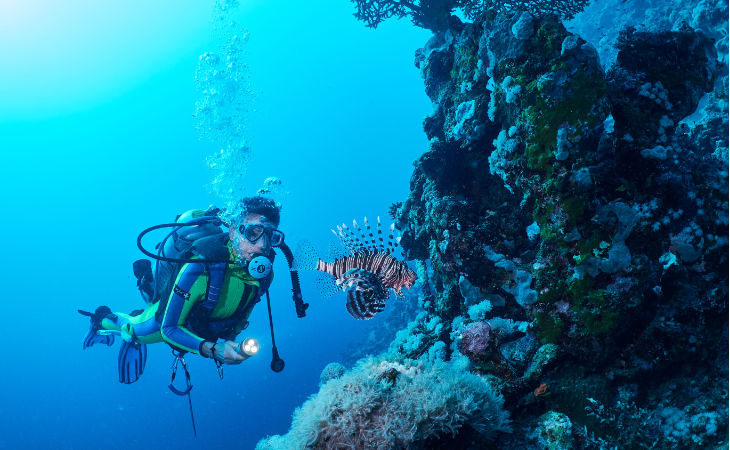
[{"x": 195, "y": 310}]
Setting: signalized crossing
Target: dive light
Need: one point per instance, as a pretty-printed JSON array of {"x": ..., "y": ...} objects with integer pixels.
[{"x": 248, "y": 347}]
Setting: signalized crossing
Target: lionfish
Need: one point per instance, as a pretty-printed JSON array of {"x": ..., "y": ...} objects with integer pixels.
[{"x": 365, "y": 272}]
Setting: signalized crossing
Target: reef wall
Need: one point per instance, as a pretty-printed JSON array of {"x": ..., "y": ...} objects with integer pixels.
[{"x": 570, "y": 228}]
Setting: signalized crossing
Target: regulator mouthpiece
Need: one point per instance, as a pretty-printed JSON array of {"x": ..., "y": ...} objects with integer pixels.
[
  {"x": 259, "y": 267},
  {"x": 249, "y": 347}
]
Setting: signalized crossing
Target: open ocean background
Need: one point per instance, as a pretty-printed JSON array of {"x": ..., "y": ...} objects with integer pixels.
[{"x": 99, "y": 141}]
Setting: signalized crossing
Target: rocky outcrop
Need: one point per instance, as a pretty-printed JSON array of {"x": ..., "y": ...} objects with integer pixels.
[{"x": 578, "y": 202}]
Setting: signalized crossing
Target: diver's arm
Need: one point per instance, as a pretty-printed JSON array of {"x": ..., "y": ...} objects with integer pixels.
[
  {"x": 225, "y": 352},
  {"x": 179, "y": 305}
]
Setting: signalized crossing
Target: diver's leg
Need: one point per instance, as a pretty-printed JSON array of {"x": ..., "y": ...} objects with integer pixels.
[
  {"x": 144, "y": 327},
  {"x": 140, "y": 325}
]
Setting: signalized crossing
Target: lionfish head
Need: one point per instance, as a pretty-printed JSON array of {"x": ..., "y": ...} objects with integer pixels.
[{"x": 408, "y": 278}]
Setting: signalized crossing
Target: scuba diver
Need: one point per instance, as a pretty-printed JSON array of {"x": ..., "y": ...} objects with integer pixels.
[{"x": 206, "y": 282}]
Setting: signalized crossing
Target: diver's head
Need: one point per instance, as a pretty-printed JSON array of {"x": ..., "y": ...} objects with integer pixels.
[{"x": 254, "y": 232}]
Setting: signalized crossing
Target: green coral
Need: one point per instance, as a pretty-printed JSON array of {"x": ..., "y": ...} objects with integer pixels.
[
  {"x": 576, "y": 109},
  {"x": 591, "y": 307},
  {"x": 586, "y": 248},
  {"x": 549, "y": 329}
]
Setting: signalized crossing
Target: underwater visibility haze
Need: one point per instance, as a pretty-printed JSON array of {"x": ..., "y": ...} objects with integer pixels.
[{"x": 509, "y": 220}]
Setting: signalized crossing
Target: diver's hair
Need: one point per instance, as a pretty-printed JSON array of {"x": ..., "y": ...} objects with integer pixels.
[{"x": 261, "y": 205}]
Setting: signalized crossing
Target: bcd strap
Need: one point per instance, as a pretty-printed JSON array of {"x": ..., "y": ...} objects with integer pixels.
[{"x": 216, "y": 274}]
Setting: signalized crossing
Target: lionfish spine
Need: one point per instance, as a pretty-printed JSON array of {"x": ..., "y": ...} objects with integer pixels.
[
  {"x": 370, "y": 243},
  {"x": 381, "y": 245},
  {"x": 362, "y": 240},
  {"x": 352, "y": 238},
  {"x": 346, "y": 241},
  {"x": 391, "y": 246}
]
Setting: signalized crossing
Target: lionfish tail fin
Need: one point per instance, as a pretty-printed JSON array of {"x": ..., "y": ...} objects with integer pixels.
[
  {"x": 306, "y": 257},
  {"x": 326, "y": 284}
]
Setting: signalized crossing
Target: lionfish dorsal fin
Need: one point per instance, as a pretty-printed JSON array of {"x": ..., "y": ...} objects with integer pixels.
[
  {"x": 391, "y": 243},
  {"x": 351, "y": 242},
  {"x": 360, "y": 239},
  {"x": 379, "y": 231},
  {"x": 371, "y": 244},
  {"x": 342, "y": 237}
]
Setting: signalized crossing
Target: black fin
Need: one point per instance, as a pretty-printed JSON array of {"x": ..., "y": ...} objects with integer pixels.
[
  {"x": 93, "y": 336},
  {"x": 131, "y": 361}
]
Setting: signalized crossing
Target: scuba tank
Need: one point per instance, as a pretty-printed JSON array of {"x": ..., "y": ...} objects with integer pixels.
[
  {"x": 202, "y": 238},
  {"x": 196, "y": 233}
]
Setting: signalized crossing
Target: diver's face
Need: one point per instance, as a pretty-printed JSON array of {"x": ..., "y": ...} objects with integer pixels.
[{"x": 244, "y": 248}]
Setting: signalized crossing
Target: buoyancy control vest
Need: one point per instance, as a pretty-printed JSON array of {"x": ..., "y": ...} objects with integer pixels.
[{"x": 198, "y": 237}]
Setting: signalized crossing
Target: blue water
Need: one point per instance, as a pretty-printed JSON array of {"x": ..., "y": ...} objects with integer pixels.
[{"x": 99, "y": 141}]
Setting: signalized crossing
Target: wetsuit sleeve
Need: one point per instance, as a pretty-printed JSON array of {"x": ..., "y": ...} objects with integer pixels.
[{"x": 185, "y": 293}]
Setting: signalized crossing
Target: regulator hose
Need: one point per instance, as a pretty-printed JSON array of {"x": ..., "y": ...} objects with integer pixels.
[{"x": 296, "y": 289}]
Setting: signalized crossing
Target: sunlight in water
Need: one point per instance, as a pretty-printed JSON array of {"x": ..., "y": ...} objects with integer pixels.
[{"x": 62, "y": 57}]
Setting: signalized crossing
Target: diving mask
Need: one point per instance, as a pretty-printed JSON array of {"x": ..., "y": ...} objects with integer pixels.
[{"x": 254, "y": 231}]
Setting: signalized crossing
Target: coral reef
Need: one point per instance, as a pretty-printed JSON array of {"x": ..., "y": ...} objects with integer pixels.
[
  {"x": 586, "y": 202},
  {"x": 435, "y": 14},
  {"x": 331, "y": 371},
  {"x": 569, "y": 225},
  {"x": 389, "y": 403}
]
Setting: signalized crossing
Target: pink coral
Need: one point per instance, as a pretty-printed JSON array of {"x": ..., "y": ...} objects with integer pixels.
[{"x": 477, "y": 340}]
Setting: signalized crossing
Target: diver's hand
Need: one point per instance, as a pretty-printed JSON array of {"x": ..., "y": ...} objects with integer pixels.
[{"x": 225, "y": 352}]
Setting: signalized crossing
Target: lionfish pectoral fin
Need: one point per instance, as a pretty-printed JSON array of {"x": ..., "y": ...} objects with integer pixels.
[
  {"x": 366, "y": 294},
  {"x": 361, "y": 305}
]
